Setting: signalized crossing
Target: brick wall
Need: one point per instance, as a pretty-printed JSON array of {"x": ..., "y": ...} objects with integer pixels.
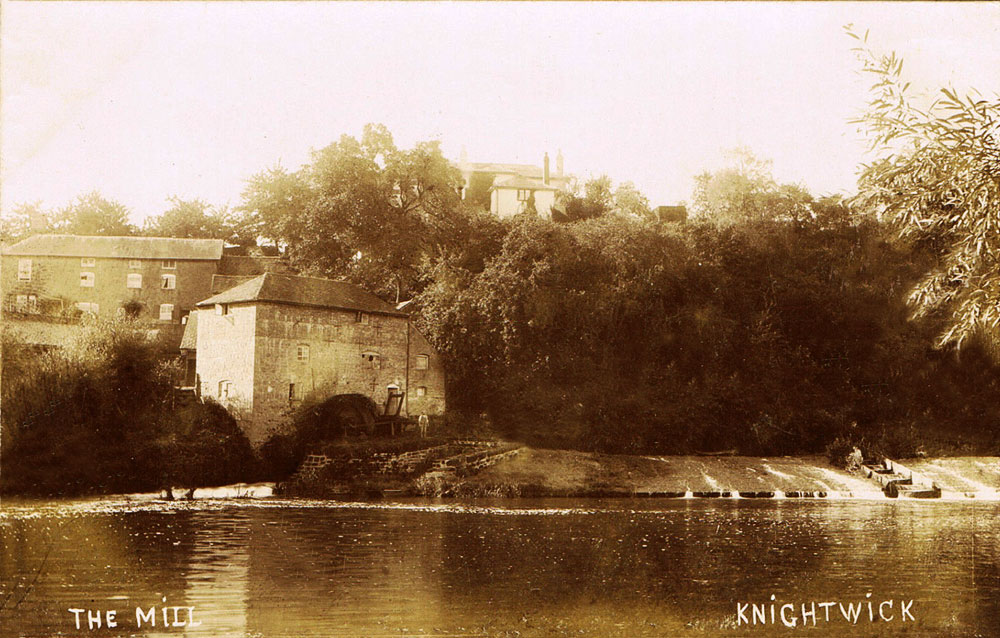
[{"x": 55, "y": 281}]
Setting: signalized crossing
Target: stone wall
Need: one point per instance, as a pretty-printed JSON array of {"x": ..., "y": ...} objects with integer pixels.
[
  {"x": 344, "y": 356},
  {"x": 226, "y": 354}
]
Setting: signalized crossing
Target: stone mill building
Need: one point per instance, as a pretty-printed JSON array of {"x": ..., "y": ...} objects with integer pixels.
[{"x": 265, "y": 345}]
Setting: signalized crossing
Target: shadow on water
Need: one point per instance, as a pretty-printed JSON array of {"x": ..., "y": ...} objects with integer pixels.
[{"x": 589, "y": 567}]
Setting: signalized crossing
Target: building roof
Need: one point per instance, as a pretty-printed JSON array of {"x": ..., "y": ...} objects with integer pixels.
[
  {"x": 189, "y": 340},
  {"x": 117, "y": 247},
  {"x": 221, "y": 283},
  {"x": 303, "y": 291},
  {"x": 526, "y": 170},
  {"x": 524, "y": 183}
]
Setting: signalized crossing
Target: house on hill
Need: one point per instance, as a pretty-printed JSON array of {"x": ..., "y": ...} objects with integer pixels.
[
  {"x": 266, "y": 344},
  {"x": 511, "y": 187}
]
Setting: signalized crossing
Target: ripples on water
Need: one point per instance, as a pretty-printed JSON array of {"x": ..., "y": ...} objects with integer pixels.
[{"x": 501, "y": 568}]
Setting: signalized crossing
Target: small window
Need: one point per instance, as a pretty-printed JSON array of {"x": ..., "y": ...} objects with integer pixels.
[
  {"x": 133, "y": 280},
  {"x": 87, "y": 262},
  {"x": 134, "y": 264},
  {"x": 523, "y": 195},
  {"x": 422, "y": 362},
  {"x": 422, "y": 391},
  {"x": 21, "y": 304},
  {"x": 225, "y": 388},
  {"x": 222, "y": 309},
  {"x": 87, "y": 279},
  {"x": 302, "y": 353},
  {"x": 361, "y": 317},
  {"x": 168, "y": 282},
  {"x": 292, "y": 392},
  {"x": 373, "y": 359},
  {"x": 169, "y": 264},
  {"x": 33, "y": 304},
  {"x": 24, "y": 269},
  {"x": 87, "y": 307},
  {"x": 166, "y": 312}
]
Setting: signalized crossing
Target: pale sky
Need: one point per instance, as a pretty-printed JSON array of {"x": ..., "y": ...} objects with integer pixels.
[{"x": 144, "y": 101}]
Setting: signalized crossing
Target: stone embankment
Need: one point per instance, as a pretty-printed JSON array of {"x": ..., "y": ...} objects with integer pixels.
[{"x": 412, "y": 471}]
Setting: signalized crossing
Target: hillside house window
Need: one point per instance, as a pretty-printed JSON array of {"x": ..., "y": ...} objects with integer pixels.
[
  {"x": 24, "y": 270},
  {"x": 87, "y": 279},
  {"x": 87, "y": 262},
  {"x": 88, "y": 307},
  {"x": 133, "y": 280},
  {"x": 422, "y": 391},
  {"x": 166, "y": 312},
  {"x": 169, "y": 264},
  {"x": 523, "y": 195},
  {"x": 134, "y": 264},
  {"x": 302, "y": 353},
  {"x": 361, "y": 317},
  {"x": 422, "y": 363},
  {"x": 168, "y": 282}
]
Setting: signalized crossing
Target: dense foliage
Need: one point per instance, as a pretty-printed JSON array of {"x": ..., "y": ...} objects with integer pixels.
[
  {"x": 101, "y": 415},
  {"x": 770, "y": 336}
]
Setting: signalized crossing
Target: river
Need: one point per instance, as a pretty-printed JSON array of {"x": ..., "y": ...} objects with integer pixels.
[{"x": 684, "y": 567}]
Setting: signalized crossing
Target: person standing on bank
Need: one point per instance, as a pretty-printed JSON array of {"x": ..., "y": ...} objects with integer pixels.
[{"x": 422, "y": 423}]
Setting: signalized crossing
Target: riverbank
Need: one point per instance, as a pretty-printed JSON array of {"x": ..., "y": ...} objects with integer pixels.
[
  {"x": 539, "y": 472},
  {"x": 520, "y": 472}
]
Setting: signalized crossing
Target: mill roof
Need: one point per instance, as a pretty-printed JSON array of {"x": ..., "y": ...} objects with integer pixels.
[
  {"x": 117, "y": 247},
  {"x": 303, "y": 291}
]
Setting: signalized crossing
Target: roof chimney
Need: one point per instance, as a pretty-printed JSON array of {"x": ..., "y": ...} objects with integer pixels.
[
  {"x": 559, "y": 163},
  {"x": 545, "y": 170}
]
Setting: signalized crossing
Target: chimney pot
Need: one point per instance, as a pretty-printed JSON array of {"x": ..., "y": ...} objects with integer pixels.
[{"x": 545, "y": 170}]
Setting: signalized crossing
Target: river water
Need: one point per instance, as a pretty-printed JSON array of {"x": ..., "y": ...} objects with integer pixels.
[{"x": 557, "y": 567}]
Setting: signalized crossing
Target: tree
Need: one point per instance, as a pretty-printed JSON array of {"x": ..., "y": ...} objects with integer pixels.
[
  {"x": 93, "y": 214},
  {"x": 596, "y": 201},
  {"x": 361, "y": 209},
  {"x": 26, "y": 219},
  {"x": 629, "y": 201},
  {"x": 478, "y": 192},
  {"x": 189, "y": 219},
  {"x": 746, "y": 191},
  {"x": 935, "y": 178}
]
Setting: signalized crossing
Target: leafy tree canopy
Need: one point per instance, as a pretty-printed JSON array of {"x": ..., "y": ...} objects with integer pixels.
[
  {"x": 935, "y": 177},
  {"x": 362, "y": 209},
  {"x": 745, "y": 191},
  {"x": 93, "y": 214}
]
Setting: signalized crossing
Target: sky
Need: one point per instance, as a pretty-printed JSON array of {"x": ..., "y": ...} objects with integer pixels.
[{"x": 143, "y": 101}]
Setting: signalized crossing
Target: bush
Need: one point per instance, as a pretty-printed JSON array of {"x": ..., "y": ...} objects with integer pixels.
[{"x": 100, "y": 416}]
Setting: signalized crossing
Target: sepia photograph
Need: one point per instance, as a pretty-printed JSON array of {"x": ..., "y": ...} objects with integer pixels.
[{"x": 499, "y": 319}]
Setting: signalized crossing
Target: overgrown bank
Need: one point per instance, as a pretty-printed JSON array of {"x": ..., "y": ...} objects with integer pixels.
[
  {"x": 100, "y": 415},
  {"x": 765, "y": 337}
]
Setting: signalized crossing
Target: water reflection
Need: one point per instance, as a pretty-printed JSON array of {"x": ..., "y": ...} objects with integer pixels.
[{"x": 600, "y": 568}]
